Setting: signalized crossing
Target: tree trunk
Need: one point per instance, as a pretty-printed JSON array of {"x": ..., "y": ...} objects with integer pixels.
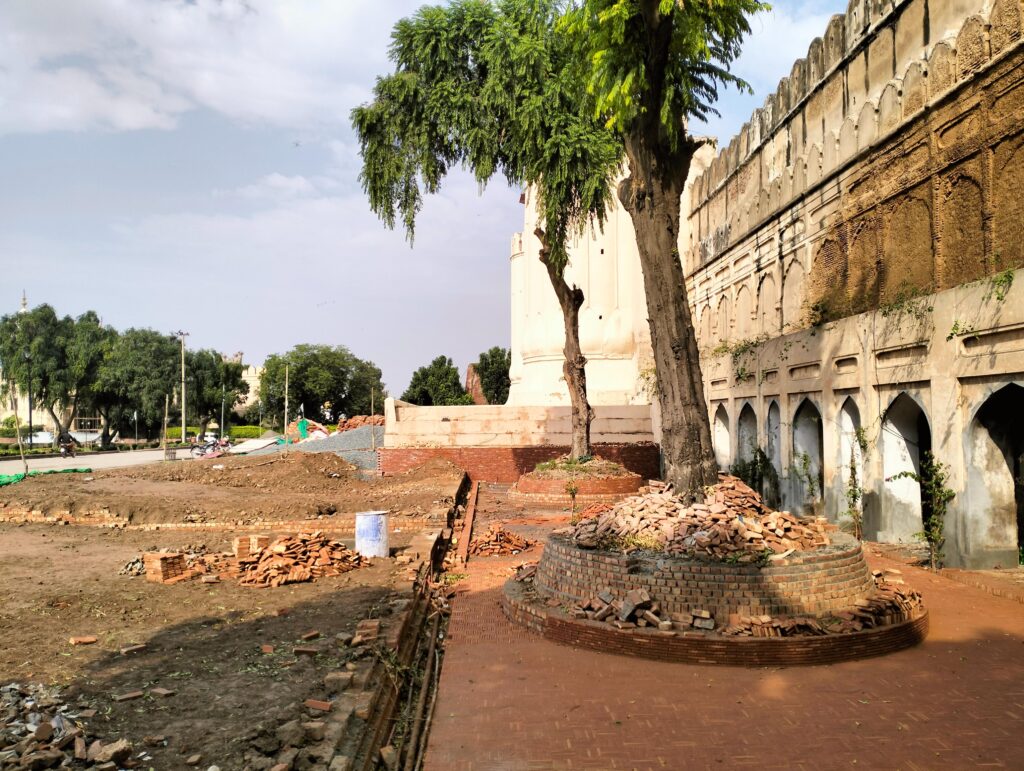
[
  {"x": 570, "y": 299},
  {"x": 651, "y": 195},
  {"x": 61, "y": 429}
]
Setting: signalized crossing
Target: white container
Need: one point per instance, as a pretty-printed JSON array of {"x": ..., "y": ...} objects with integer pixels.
[{"x": 372, "y": 533}]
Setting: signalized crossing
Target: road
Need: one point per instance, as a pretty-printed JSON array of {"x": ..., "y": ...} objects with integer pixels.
[{"x": 88, "y": 460}]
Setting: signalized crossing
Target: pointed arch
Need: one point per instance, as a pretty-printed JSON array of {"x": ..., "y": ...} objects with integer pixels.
[
  {"x": 905, "y": 438},
  {"x": 721, "y": 438},
  {"x": 808, "y": 459}
]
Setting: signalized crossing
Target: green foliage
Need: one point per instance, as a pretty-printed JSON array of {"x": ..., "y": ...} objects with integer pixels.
[
  {"x": 999, "y": 285},
  {"x": 436, "y": 384},
  {"x": 246, "y": 432},
  {"x": 174, "y": 432},
  {"x": 758, "y": 472},
  {"x": 494, "y": 87},
  {"x": 56, "y": 358},
  {"x": 854, "y": 497},
  {"x": 743, "y": 354},
  {"x": 935, "y": 498},
  {"x": 960, "y": 328},
  {"x": 659, "y": 63},
  {"x": 908, "y": 301},
  {"x": 141, "y": 368},
  {"x": 802, "y": 468},
  {"x": 492, "y": 368},
  {"x": 326, "y": 381}
]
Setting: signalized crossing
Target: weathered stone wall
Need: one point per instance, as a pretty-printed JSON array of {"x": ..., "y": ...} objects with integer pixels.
[{"x": 888, "y": 164}]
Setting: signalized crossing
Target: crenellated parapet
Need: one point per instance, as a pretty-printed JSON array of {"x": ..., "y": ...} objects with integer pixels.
[{"x": 876, "y": 68}]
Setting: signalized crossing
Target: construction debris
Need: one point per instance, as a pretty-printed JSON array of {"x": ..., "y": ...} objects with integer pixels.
[
  {"x": 731, "y": 523},
  {"x": 38, "y": 730},
  {"x": 295, "y": 559},
  {"x": 497, "y": 540}
]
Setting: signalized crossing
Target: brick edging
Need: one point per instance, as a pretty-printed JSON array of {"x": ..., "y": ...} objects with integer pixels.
[
  {"x": 708, "y": 649},
  {"x": 968, "y": 578}
]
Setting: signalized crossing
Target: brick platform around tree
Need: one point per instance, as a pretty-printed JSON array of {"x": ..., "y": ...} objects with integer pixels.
[
  {"x": 697, "y": 648},
  {"x": 507, "y": 464},
  {"x": 805, "y": 583},
  {"x": 546, "y": 492}
]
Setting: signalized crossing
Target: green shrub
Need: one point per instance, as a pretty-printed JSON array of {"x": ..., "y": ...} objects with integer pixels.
[
  {"x": 174, "y": 432},
  {"x": 245, "y": 432}
]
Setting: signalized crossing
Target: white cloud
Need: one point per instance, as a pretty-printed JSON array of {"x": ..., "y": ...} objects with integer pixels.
[{"x": 130, "y": 64}]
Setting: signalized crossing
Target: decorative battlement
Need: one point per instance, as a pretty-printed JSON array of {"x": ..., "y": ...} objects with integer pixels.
[{"x": 877, "y": 67}]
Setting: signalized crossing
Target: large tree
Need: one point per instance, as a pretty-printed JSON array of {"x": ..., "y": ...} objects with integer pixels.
[
  {"x": 494, "y": 87},
  {"x": 437, "y": 384},
  {"x": 325, "y": 381},
  {"x": 652, "y": 65},
  {"x": 492, "y": 368},
  {"x": 57, "y": 358},
  {"x": 139, "y": 371}
]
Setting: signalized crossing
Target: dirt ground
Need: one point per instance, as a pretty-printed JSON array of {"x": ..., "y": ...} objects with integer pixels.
[
  {"x": 203, "y": 641},
  {"x": 236, "y": 490}
]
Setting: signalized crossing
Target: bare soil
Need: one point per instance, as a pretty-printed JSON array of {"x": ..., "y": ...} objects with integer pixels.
[
  {"x": 235, "y": 490},
  {"x": 203, "y": 641}
]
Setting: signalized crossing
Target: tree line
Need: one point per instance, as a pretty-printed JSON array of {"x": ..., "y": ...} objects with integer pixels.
[{"x": 74, "y": 366}]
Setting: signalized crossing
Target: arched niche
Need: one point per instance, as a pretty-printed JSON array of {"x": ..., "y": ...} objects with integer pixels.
[
  {"x": 851, "y": 456},
  {"x": 773, "y": 449},
  {"x": 743, "y": 312},
  {"x": 721, "y": 438},
  {"x": 767, "y": 306},
  {"x": 994, "y": 525},
  {"x": 793, "y": 297},
  {"x": 746, "y": 434},
  {"x": 722, "y": 319},
  {"x": 905, "y": 438},
  {"x": 808, "y": 459}
]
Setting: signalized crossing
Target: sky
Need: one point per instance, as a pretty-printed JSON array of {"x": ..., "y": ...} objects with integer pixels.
[{"x": 190, "y": 165}]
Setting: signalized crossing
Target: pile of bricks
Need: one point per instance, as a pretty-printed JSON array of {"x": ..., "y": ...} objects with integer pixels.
[
  {"x": 358, "y": 421},
  {"x": 165, "y": 567},
  {"x": 295, "y": 559},
  {"x": 732, "y": 523},
  {"x": 497, "y": 540},
  {"x": 634, "y": 609}
]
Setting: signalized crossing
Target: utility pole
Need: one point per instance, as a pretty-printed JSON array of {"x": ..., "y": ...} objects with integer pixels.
[
  {"x": 285, "y": 430},
  {"x": 222, "y": 397},
  {"x": 184, "y": 430}
]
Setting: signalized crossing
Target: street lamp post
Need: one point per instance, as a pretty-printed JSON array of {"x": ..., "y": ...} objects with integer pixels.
[
  {"x": 184, "y": 429},
  {"x": 222, "y": 396}
]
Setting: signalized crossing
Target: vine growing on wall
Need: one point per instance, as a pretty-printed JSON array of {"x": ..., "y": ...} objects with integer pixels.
[
  {"x": 744, "y": 356},
  {"x": 854, "y": 489},
  {"x": 936, "y": 496}
]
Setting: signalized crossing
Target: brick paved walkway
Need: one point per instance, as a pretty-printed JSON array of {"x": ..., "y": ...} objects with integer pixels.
[{"x": 512, "y": 701}]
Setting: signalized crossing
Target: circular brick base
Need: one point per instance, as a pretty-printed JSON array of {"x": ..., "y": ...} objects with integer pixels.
[
  {"x": 538, "y": 491},
  {"x": 804, "y": 584},
  {"x": 693, "y": 648}
]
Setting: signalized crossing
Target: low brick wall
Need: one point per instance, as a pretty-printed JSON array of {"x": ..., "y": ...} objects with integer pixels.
[
  {"x": 695, "y": 648},
  {"x": 507, "y": 464},
  {"x": 808, "y": 583}
]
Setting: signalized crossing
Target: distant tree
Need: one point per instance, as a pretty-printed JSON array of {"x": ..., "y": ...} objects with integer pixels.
[
  {"x": 492, "y": 369},
  {"x": 437, "y": 384},
  {"x": 651, "y": 66},
  {"x": 495, "y": 87},
  {"x": 62, "y": 355},
  {"x": 141, "y": 368},
  {"x": 325, "y": 381},
  {"x": 213, "y": 381}
]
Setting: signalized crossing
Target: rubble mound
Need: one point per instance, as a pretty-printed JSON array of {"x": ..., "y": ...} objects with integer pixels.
[
  {"x": 295, "y": 559},
  {"x": 732, "y": 524},
  {"x": 38, "y": 730},
  {"x": 497, "y": 540}
]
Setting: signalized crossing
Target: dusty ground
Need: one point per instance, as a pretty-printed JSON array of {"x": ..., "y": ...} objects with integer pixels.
[
  {"x": 296, "y": 486},
  {"x": 203, "y": 641}
]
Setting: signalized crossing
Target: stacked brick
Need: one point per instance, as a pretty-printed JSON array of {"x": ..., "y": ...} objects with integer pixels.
[
  {"x": 731, "y": 524},
  {"x": 165, "y": 568}
]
